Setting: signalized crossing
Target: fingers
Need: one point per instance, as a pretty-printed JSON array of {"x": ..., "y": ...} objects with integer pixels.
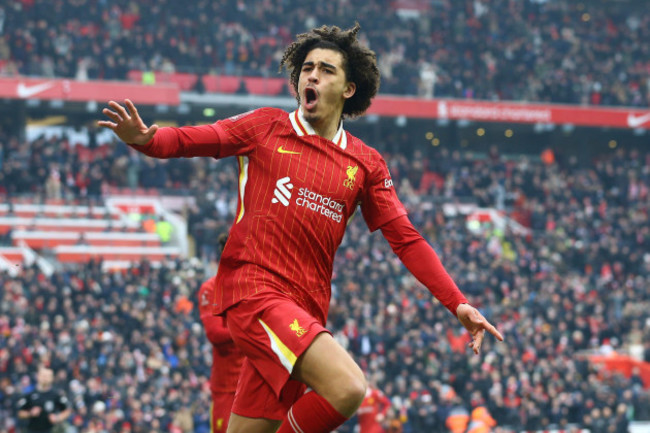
[
  {"x": 151, "y": 131},
  {"x": 107, "y": 124},
  {"x": 118, "y": 114},
  {"x": 492, "y": 330},
  {"x": 481, "y": 321},
  {"x": 477, "y": 341},
  {"x": 113, "y": 115},
  {"x": 477, "y": 326},
  {"x": 119, "y": 109},
  {"x": 131, "y": 107}
]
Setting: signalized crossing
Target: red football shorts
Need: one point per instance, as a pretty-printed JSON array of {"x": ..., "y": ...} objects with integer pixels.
[
  {"x": 272, "y": 331},
  {"x": 220, "y": 411}
]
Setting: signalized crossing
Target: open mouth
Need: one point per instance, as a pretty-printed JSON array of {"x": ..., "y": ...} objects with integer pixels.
[{"x": 311, "y": 98}]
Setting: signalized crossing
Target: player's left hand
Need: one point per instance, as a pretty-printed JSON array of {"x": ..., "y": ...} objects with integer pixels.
[{"x": 476, "y": 324}]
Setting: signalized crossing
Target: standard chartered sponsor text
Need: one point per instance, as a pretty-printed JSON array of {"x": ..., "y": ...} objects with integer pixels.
[{"x": 321, "y": 204}]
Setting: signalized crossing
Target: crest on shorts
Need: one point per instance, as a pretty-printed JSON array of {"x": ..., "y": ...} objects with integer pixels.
[{"x": 299, "y": 330}]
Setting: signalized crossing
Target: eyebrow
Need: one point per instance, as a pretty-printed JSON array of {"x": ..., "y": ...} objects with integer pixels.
[{"x": 322, "y": 64}]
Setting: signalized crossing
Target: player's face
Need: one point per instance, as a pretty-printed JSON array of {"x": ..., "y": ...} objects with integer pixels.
[{"x": 323, "y": 86}]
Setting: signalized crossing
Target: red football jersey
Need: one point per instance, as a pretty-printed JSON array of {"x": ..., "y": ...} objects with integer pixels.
[
  {"x": 297, "y": 191},
  {"x": 227, "y": 359},
  {"x": 374, "y": 403}
]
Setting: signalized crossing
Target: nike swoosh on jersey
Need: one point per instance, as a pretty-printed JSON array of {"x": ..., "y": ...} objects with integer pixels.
[{"x": 287, "y": 152}]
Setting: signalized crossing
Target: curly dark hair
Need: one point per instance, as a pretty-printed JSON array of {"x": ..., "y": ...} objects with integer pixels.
[{"x": 359, "y": 63}]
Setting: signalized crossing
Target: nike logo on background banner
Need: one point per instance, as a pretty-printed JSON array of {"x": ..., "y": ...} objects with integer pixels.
[
  {"x": 25, "y": 91},
  {"x": 634, "y": 121},
  {"x": 288, "y": 152}
]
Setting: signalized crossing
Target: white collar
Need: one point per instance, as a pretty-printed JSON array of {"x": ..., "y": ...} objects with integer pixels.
[{"x": 302, "y": 127}]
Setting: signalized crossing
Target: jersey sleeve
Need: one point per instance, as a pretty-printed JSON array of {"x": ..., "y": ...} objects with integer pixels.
[
  {"x": 422, "y": 261},
  {"x": 379, "y": 201},
  {"x": 244, "y": 131},
  {"x": 236, "y": 135}
]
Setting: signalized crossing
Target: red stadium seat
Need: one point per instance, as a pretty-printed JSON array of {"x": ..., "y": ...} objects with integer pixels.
[
  {"x": 38, "y": 240},
  {"x": 135, "y": 76},
  {"x": 47, "y": 239},
  {"x": 50, "y": 210},
  {"x": 221, "y": 83},
  {"x": 84, "y": 253},
  {"x": 217, "y": 83},
  {"x": 66, "y": 224},
  {"x": 12, "y": 254},
  {"x": 264, "y": 86},
  {"x": 184, "y": 81}
]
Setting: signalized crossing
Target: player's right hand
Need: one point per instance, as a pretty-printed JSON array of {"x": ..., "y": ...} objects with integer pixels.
[
  {"x": 127, "y": 125},
  {"x": 35, "y": 411}
]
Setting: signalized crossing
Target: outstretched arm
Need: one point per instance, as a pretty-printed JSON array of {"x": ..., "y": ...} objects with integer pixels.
[
  {"x": 186, "y": 141},
  {"x": 423, "y": 262}
]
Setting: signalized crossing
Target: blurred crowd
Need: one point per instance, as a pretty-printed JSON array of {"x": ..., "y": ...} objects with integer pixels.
[
  {"x": 129, "y": 351},
  {"x": 550, "y": 51}
]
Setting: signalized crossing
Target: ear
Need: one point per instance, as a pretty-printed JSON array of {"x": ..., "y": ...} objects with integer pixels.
[{"x": 349, "y": 90}]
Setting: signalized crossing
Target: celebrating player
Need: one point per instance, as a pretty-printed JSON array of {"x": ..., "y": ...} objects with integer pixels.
[{"x": 302, "y": 176}]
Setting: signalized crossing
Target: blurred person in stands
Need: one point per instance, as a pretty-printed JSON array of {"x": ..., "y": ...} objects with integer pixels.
[
  {"x": 458, "y": 417},
  {"x": 481, "y": 421},
  {"x": 373, "y": 410},
  {"x": 44, "y": 407},
  {"x": 227, "y": 359},
  {"x": 302, "y": 177}
]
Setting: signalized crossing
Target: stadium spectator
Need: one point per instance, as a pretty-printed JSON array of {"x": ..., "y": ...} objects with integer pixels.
[
  {"x": 458, "y": 418},
  {"x": 481, "y": 421}
]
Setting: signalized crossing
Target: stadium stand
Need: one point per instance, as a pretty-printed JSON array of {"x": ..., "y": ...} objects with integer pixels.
[
  {"x": 43, "y": 239},
  {"x": 543, "y": 51}
]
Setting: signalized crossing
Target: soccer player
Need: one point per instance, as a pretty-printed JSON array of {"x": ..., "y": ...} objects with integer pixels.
[
  {"x": 302, "y": 177},
  {"x": 227, "y": 360},
  {"x": 373, "y": 410}
]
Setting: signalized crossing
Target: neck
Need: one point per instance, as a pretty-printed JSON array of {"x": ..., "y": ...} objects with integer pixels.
[
  {"x": 328, "y": 131},
  {"x": 326, "y": 127}
]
